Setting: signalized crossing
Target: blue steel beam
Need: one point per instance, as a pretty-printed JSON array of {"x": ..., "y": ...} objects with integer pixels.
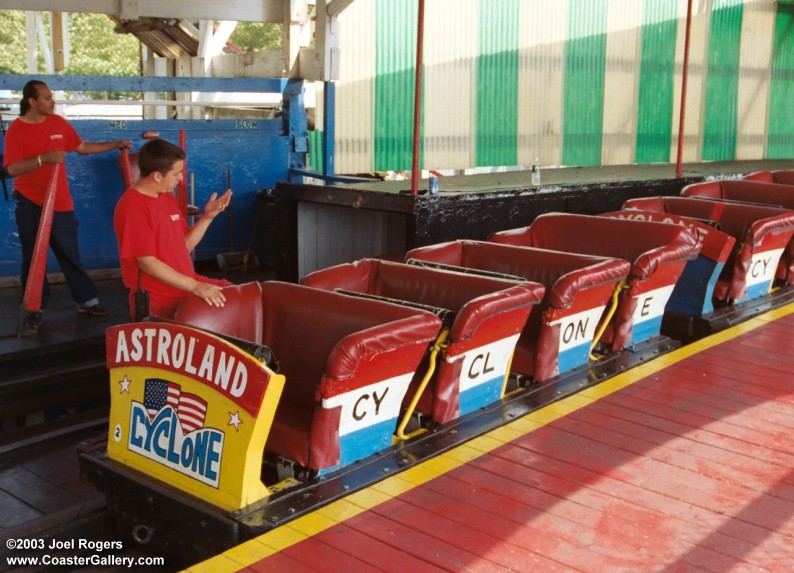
[{"x": 152, "y": 84}]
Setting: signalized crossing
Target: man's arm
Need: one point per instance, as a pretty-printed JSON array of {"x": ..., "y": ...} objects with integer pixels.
[
  {"x": 214, "y": 206},
  {"x": 91, "y": 148},
  {"x": 30, "y": 164},
  {"x": 156, "y": 268}
]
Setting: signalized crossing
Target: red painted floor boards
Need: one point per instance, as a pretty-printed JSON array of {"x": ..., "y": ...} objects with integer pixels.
[{"x": 689, "y": 469}]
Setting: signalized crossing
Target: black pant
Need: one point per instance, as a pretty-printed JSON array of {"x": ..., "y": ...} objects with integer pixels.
[{"x": 63, "y": 241}]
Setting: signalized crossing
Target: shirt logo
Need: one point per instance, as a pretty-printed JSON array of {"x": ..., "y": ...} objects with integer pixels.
[
  {"x": 175, "y": 217},
  {"x": 56, "y": 136}
]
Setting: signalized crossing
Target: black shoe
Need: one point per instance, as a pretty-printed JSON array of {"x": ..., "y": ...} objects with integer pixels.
[{"x": 93, "y": 310}]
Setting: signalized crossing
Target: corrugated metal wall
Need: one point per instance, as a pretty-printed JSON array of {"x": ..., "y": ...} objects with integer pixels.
[
  {"x": 780, "y": 143},
  {"x": 573, "y": 82}
]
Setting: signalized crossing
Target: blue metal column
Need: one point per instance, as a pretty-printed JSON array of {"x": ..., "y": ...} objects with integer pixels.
[
  {"x": 329, "y": 128},
  {"x": 295, "y": 118}
]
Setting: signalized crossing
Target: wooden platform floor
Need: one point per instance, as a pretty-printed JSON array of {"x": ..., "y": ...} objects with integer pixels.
[
  {"x": 45, "y": 489},
  {"x": 683, "y": 464}
]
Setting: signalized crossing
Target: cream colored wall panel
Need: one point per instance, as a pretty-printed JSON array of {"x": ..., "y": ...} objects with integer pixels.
[
  {"x": 355, "y": 90},
  {"x": 542, "y": 34},
  {"x": 621, "y": 81},
  {"x": 450, "y": 75},
  {"x": 249, "y": 65},
  {"x": 696, "y": 82},
  {"x": 755, "y": 74}
]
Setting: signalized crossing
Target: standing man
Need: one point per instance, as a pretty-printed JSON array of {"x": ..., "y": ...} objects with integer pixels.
[
  {"x": 154, "y": 239},
  {"x": 35, "y": 141}
]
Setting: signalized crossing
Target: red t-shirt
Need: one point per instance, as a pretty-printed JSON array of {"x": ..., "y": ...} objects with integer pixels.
[
  {"x": 24, "y": 140},
  {"x": 152, "y": 227}
]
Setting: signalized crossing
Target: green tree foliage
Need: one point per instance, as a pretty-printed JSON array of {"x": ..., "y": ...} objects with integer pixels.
[
  {"x": 257, "y": 36},
  {"x": 98, "y": 50},
  {"x": 13, "y": 59},
  {"x": 95, "y": 47}
]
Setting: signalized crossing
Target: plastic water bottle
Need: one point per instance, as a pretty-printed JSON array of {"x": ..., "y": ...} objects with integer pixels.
[
  {"x": 536, "y": 172},
  {"x": 432, "y": 186}
]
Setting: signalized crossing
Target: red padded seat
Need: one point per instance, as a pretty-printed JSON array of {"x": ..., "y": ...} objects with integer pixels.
[
  {"x": 490, "y": 313},
  {"x": 347, "y": 364},
  {"x": 241, "y": 316},
  {"x": 782, "y": 176},
  {"x": 578, "y": 287},
  {"x": 761, "y": 235},
  {"x": 657, "y": 253},
  {"x": 751, "y": 191}
]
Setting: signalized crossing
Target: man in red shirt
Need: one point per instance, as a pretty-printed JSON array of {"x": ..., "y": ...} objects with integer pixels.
[
  {"x": 35, "y": 141},
  {"x": 155, "y": 241}
]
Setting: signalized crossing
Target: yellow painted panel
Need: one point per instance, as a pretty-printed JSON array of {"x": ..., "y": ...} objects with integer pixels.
[
  {"x": 465, "y": 454},
  {"x": 340, "y": 510},
  {"x": 219, "y": 564},
  {"x": 367, "y": 498},
  {"x": 311, "y": 524},
  {"x": 190, "y": 410},
  {"x": 506, "y": 434},
  {"x": 485, "y": 443},
  {"x": 282, "y": 537},
  {"x": 394, "y": 485},
  {"x": 248, "y": 552}
]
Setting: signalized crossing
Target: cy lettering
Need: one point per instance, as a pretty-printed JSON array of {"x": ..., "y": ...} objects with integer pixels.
[
  {"x": 764, "y": 264},
  {"x": 360, "y": 409}
]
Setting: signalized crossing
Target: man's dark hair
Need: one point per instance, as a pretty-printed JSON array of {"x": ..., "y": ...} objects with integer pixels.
[
  {"x": 158, "y": 155},
  {"x": 31, "y": 90}
]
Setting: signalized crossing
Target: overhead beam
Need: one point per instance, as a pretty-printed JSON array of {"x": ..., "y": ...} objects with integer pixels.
[
  {"x": 151, "y": 84},
  {"x": 240, "y": 10},
  {"x": 321, "y": 63},
  {"x": 336, "y": 7}
]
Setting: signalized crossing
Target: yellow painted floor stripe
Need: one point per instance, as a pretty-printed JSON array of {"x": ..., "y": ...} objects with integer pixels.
[{"x": 393, "y": 486}]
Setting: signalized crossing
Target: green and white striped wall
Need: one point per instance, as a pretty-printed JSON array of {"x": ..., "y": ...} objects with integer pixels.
[{"x": 574, "y": 82}]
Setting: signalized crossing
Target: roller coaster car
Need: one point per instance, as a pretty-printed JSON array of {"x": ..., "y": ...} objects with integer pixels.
[
  {"x": 749, "y": 192},
  {"x": 693, "y": 294},
  {"x": 782, "y": 176},
  {"x": 657, "y": 252},
  {"x": 578, "y": 289},
  {"x": 488, "y": 314},
  {"x": 762, "y": 236},
  {"x": 196, "y": 403},
  {"x": 193, "y": 410},
  {"x": 347, "y": 364}
]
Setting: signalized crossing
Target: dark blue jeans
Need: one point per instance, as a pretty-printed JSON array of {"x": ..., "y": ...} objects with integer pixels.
[{"x": 63, "y": 242}]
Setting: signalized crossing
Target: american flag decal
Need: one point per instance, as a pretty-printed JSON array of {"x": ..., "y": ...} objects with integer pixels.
[
  {"x": 191, "y": 412},
  {"x": 190, "y": 409},
  {"x": 155, "y": 395}
]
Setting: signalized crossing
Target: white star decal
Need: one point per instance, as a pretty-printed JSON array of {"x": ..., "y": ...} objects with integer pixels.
[
  {"x": 125, "y": 385},
  {"x": 234, "y": 420}
]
